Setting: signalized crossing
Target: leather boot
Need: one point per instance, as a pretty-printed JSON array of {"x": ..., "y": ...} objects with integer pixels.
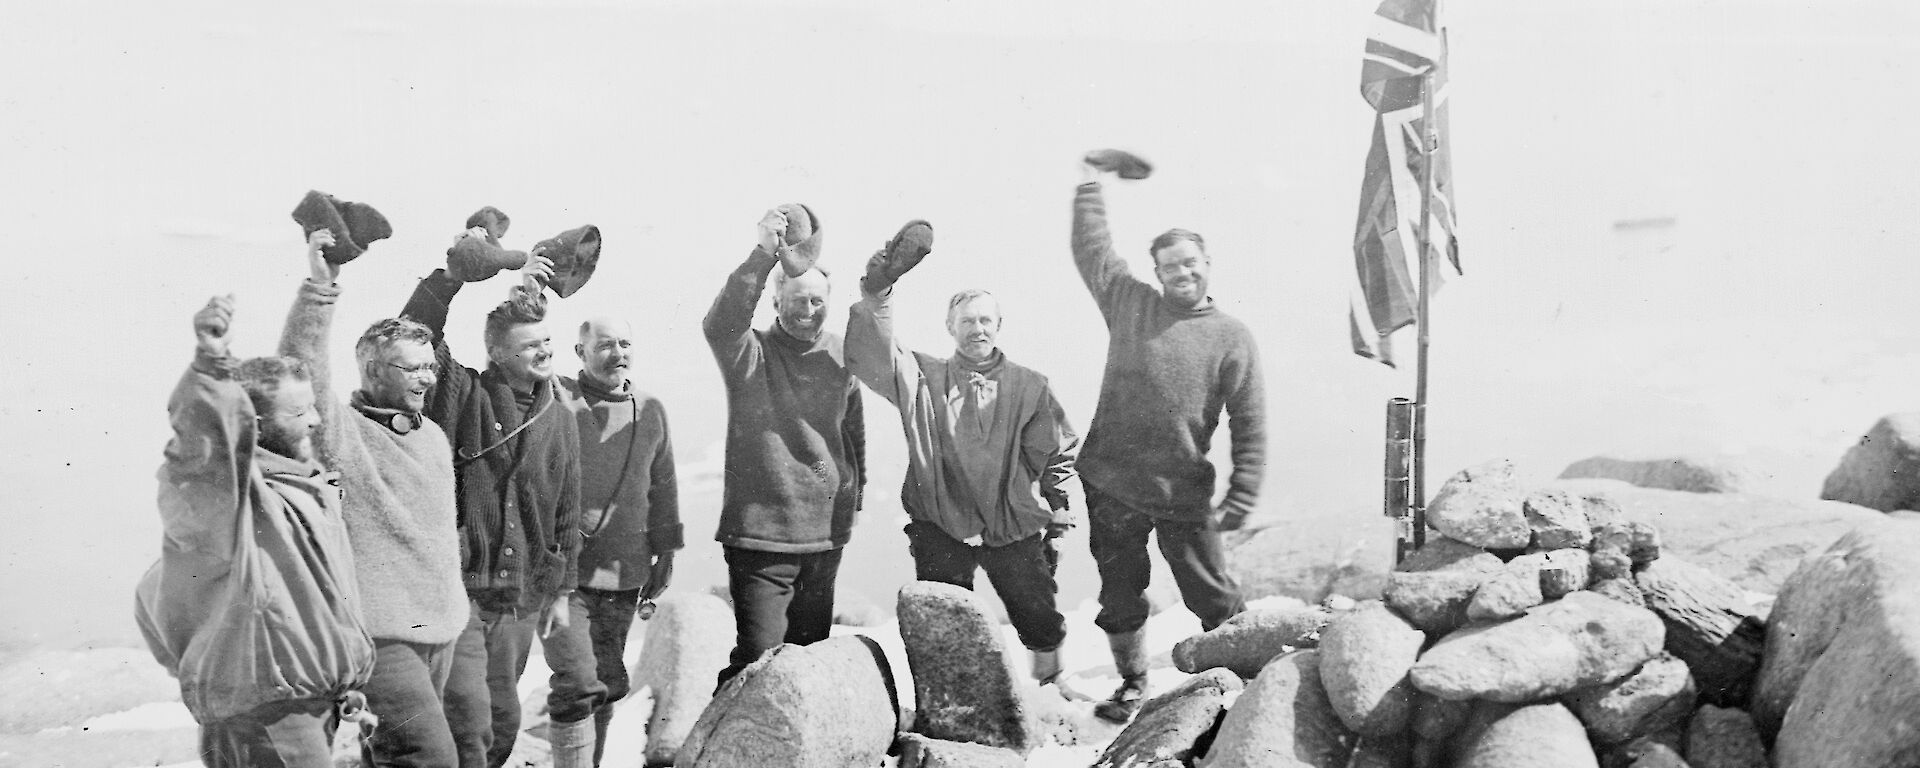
[
  {"x": 1130, "y": 659},
  {"x": 572, "y": 743}
]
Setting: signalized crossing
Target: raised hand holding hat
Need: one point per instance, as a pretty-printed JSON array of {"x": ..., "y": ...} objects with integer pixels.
[
  {"x": 354, "y": 225},
  {"x": 1126, "y": 165},
  {"x": 476, "y": 254},
  {"x": 904, "y": 252}
]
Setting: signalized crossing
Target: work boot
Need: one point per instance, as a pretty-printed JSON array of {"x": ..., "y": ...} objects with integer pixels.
[
  {"x": 1046, "y": 665},
  {"x": 572, "y": 743},
  {"x": 1130, "y": 660}
]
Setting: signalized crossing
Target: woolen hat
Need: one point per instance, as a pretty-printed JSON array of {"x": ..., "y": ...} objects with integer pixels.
[
  {"x": 575, "y": 253},
  {"x": 473, "y": 259},
  {"x": 354, "y": 225}
]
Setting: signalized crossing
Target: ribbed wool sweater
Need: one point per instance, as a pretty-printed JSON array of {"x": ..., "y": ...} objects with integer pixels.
[
  {"x": 795, "y": 438},
  {"x": 629, "y": 497},
  {"x": 397, "y": 490},
  {"x": 1170, "y": 372}
]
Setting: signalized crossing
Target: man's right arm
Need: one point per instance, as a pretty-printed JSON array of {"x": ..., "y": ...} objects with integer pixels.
[
  {"x": 876, "y": 356},
  {"x": 728, "y": 323},
  {"x": 1106, "y": 276}
]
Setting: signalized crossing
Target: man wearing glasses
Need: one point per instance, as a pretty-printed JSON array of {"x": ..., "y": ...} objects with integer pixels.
[
  {"x": 397, "y": 491},
  {"x": 517, "y": 476}
]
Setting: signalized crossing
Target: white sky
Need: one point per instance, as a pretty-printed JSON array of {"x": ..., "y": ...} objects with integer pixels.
[{"x": 152, "y": 152}]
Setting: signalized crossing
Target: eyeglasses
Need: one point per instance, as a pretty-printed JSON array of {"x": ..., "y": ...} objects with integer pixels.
[{"x": 421, "y": 370}]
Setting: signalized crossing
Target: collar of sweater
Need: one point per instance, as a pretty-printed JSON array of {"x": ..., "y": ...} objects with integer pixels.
[
  {"x": 984, "y": 367},
  {"x": 594, "y": 391},
  {"x": 401, "y": 422},
  {"x": 1207, "y": 307},
  {"x": 778, "y": 333}
]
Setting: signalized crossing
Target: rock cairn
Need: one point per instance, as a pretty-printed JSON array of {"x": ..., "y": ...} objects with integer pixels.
[{"x": 1535, "y": 627}]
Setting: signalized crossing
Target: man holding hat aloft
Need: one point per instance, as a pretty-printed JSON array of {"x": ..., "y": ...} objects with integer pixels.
[
  {"x": 795, "y": 442},
  {"x": 988, "y": 446},
  {"x": 1174, "y": 362}
]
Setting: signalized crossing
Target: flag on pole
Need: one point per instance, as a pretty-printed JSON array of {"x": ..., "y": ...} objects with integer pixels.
[{"x": 1404, "y": 45}]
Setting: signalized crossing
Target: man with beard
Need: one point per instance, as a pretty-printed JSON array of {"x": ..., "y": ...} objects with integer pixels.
[
  {"x": 630, "y": 517},
  {"x": 988, "y": 448},
  {"x": 794, "y": 446},
  {"x": 397, "y": 481},
  {"x": 1174, "y": 361},
  {"x": 516, "y": 467},
  {"x": 253, "y": 605}
]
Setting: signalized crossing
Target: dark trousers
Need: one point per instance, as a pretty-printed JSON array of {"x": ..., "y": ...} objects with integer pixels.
[
  {"x": 1022, "y": 574},
  {"x": 778, "y": 597},
  {"x": 283, "y": 734},
  {"x": 408, "y": 693},
  {"x": 483, "y": 699},
  {"x": 609, "y": 617},
  {"x": 1118, "y": 538}
]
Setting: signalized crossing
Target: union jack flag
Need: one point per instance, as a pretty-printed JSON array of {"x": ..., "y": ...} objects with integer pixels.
[{"x": 1404, "y": 45}]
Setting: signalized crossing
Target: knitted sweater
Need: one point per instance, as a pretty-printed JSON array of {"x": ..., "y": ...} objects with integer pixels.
[
  {"x": 795, "y": 439},
  {"x": 994, "y": 470},
  {"x": 1170, "y": 371},
  {"x": 397, "y": 491},
  {"x": 630, "y": 501},
  {"x": 518, "y": 497}
]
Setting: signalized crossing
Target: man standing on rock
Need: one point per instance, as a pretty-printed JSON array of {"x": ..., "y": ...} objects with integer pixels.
[
  {"x": 989, "y": 450},
  {"x": 517, "y": 475},
  {"x": 253, "y": 605},
  {"x": 630, "y": 519},
  {"x": 396, "y": 475},
  {"x": 795, "y": 444},
  {"x": 1174, "y": 361}
]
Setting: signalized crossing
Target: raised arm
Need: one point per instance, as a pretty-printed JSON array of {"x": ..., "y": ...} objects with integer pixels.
[
  {"x": 309, "y": 325},
  {"x": 1246, "y": 403},
  {"x": 203, "y": 480},
  {"x": 876, "y": 356},
  {"x": 731, "y": 318},
  {"x": 1106, "y": 276}
]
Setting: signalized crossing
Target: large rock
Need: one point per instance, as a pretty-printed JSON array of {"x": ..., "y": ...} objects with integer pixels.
[
  {"x": 1433, "y": 586},
  {"x": 1531, "y": 736},
  {"x": 1710, "y": 626},
  {"x": 1654, "y": 698},
  {"x": 963, "y": 686},
  {"x": 1246, "y": 642},
  {"x": 1883, "y": 470},
  {"x": 1727, "y": 738},
  {"x": 1840, "y": 679},
  {"x": 1692, "y": 474},
  {"x": 1510, "y": 592},
  {"x": 1365, "y": 654},
  {"x": 1753, "y": 540},
  {"x": 1311, "y": 562},
  {"x": 827, "y": 705},
  {"x": 1482, "y": 505},
  {"x": 686, "y": 643},
  {"x": 1283, "y": 720},
  {"x": 1581, "y": 640},
  {"x": 1172, "y": 727},
  {"x": 918, "y": 751}
]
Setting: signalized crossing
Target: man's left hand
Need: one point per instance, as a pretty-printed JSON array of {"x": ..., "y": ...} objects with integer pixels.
[
  {"x": 321, "y": 271},
  {"x": 658, "y": 576},
  {"x": 555, "y": 616}
]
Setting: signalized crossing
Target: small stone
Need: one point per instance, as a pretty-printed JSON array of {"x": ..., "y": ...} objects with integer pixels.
[
  {"x": 1655, "y": 697},
  {"x": 1558, "y": 520},
  {"x": 1610, "y": 563},
  {"x": 1622, "y": 590},
  {"x": 1433, "y": 587},
  {"x": 1643, "y": 543},
  {"x": 1482, "y": 505},
  {"x": 1510, "y": 592},
  {"x": 1565, "y": 571}
]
